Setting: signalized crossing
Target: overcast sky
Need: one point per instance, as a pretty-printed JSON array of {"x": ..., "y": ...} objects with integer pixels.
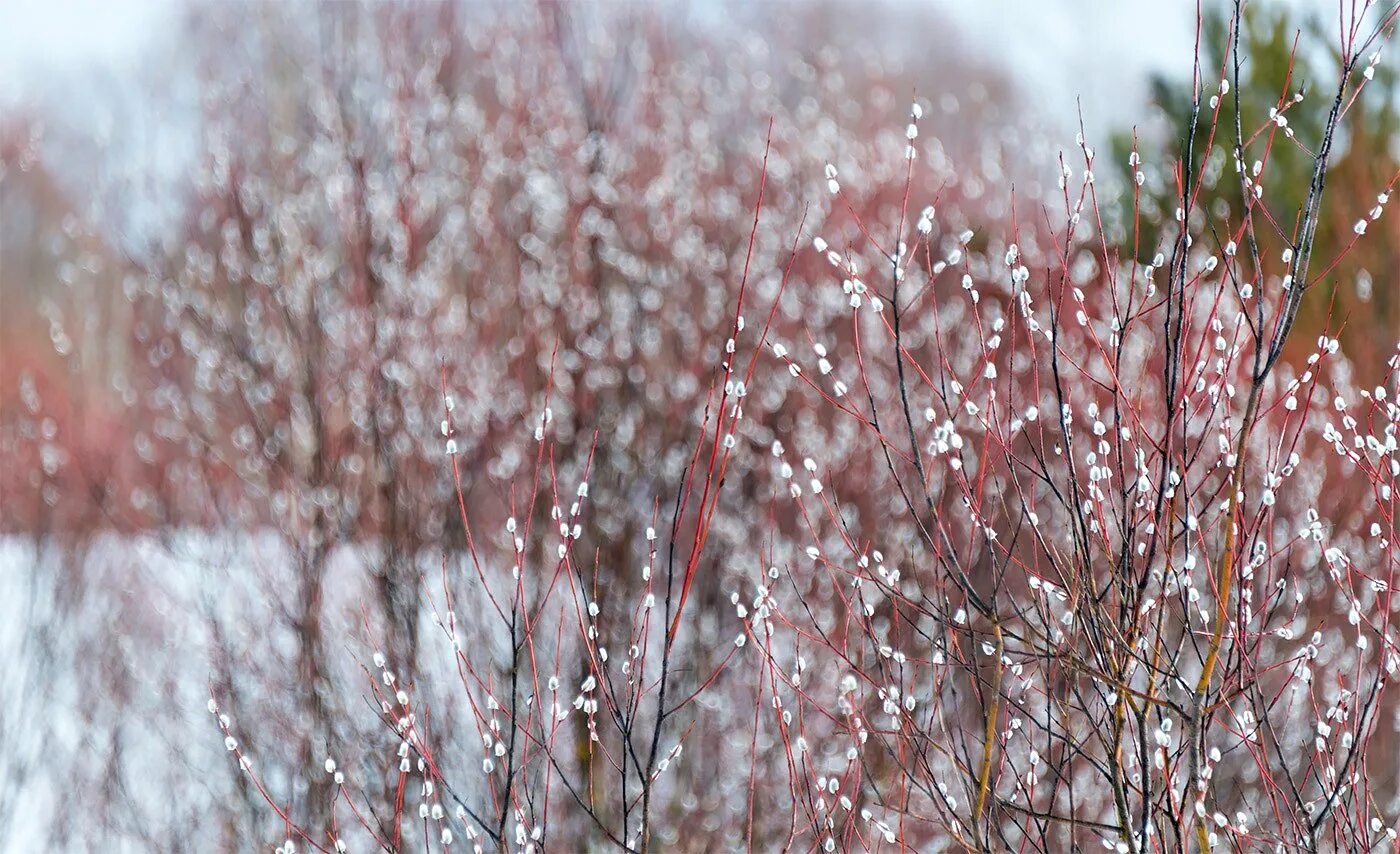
[
  {"x": 1058, "y": 49},
  {"x": 42, "y": 38}
]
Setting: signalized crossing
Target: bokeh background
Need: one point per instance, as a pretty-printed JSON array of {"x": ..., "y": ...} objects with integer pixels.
[{"x": 245, "y": 247}]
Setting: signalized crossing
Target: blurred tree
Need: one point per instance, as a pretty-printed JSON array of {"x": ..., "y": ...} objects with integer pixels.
[{"x": 541, "y": 208}]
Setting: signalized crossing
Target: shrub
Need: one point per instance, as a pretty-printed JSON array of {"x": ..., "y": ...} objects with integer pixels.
[{"x": 675, "y": 485}]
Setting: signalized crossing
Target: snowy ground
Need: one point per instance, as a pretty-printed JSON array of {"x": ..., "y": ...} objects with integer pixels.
[{"x": 107, "y": 657}]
